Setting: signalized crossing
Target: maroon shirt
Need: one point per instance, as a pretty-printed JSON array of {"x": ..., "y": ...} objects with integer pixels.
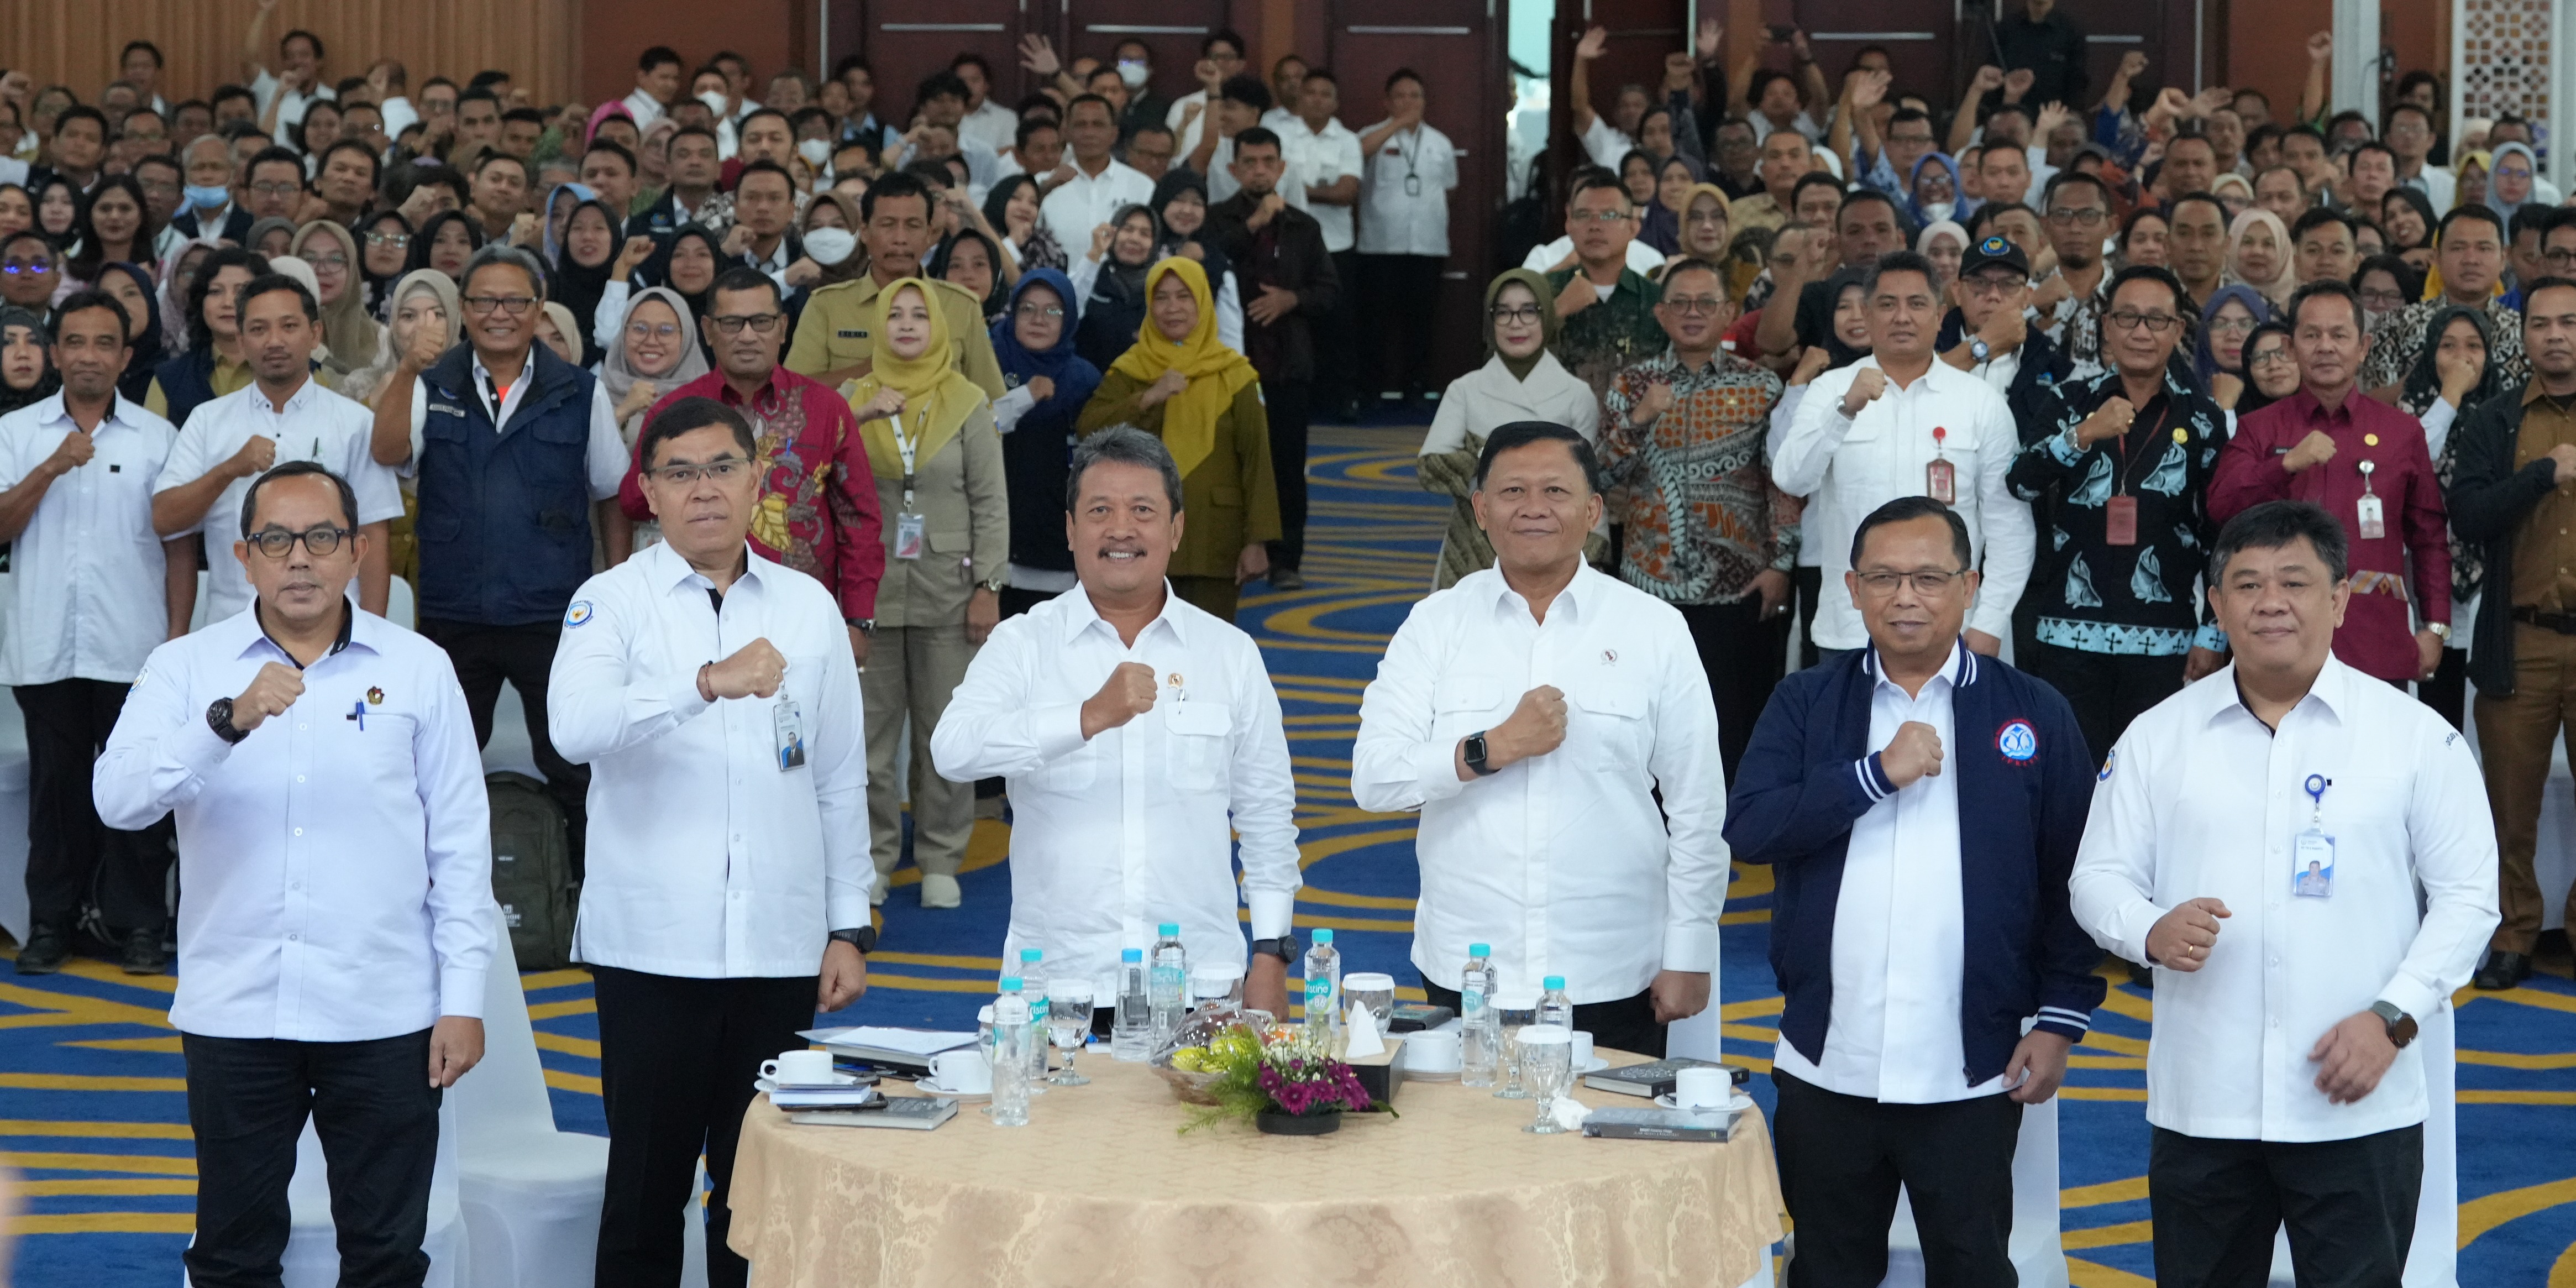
[
  {"x": 817, "y": 511},
  {"x": 2376, "y": 636}
]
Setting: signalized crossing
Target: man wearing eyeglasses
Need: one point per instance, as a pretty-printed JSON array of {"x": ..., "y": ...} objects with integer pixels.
[
  {"x": 1915, "y": 949},
  {"x": 30, "y": 268},
  {"x": 284, "y": 415},
  {"x": 1607, "y": 306},
  {"x": 2470, "y": 251},
  {"x": 2077, "y": 208},
  {"x": 1989, "y": 335},
  {"x": 512, "y": 450},
  {"x": 817, "y": 508},
  {"x": 275, "y": 189}
]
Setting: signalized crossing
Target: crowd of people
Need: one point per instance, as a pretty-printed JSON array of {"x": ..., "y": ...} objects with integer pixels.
[{"x": 2127, "y": 390}]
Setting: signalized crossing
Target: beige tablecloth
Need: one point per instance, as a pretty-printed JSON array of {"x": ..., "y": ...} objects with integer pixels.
[{"x": 1101, "y": 1189}]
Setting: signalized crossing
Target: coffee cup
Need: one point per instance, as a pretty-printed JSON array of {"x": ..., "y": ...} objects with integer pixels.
[
  {"x": 1701, "y": 1089},
  {"x": 807, "y": 1068},
  {"x": 965, "y": 1072},
  {"x": 1582, "y": 1050},
  {"x": 1432, "y": 1051}
]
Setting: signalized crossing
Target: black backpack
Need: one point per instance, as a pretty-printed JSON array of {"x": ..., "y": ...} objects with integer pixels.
[{"x": 532, "y": 870}]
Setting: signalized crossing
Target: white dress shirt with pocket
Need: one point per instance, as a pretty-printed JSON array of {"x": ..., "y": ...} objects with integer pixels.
[
  {"x": 2200, "y": 800},
  {"x": 86, "y": 576},
  {"x": 338, "y": 861},
  {"x": 1562, "y": 862},
  {"x": 709, "y": 861},
  {"x": 1130, "y": 828},
  {"x": 1404, "y": 196},
  {"x": 1323, "y": 157}
]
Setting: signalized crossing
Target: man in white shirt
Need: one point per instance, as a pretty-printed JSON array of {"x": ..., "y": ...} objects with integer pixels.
[
  {"x": 285, "y": 414},
  {"x": 92, "y": 592},
  {"x": 1935, "y": 978},
  {"x": 1403, "y": 237},
  {"x": 2306, "y": 857},
  {"x": 1606, "y": 141},
  {"x": 987, "y": 125},
  {"x": 1241, "y": 101},
  {"x": 1100, "y": 185},
  {"x": 1531, "y": 712},
  {"x": 337, "y": 853},
  {"x": 1326, "y": 158},
  {"x": 699, "y": 671},
  {"x": 657, "y": 86},
  {"x": 1136, "y": 731},
  {"x": 298, "y": 79},
  {"x": 2410, "y": 136},
  {"x": 1220, "y": 56},
  {"x": 1899, "y": 423}
]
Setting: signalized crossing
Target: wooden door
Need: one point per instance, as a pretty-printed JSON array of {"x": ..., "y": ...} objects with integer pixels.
[
  {"x": 1920, "y": 36},
  {"x": 1172, "y": 29},
  {"x": 905, "y": 41},
  {"x": 1641, "y": 32}
]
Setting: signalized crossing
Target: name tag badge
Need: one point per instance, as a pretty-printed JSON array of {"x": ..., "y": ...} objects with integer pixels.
[
  {"x": 2374, "y": 523},
  {"x": 2312, "y": 865},
  {"x": 907, "y": 536},
  {"x": 790, "y": 722},
  {"x": 1941, "y": 481},
  {"x": 2120, "y": 521}
]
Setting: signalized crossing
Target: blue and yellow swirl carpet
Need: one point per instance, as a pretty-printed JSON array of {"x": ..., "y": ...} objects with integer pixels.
[{"x": 90, "y": 1075}]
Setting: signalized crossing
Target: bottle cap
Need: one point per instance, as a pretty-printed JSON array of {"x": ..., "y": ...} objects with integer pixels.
[
  {"x": 1323, "y": 936},
  {"x": 1031, "y": 955},
  {"x": 1169, "y": 930},
  {"x": 1553, "y": 983},
  {"x": 1010, "y": 983},
  {"x": 1131, "y": 954},
  {"x": 1480, "y": 950}
]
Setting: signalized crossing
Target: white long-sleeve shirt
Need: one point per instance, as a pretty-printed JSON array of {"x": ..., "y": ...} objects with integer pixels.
[
  {"x": 1849, "y": 466},
  {"x": 85, "y": 591},
  {"x": 2199, "y": 800},
  {"x": 1562, "y": 862},
  {"x": 1404, "y": 194},
  {"x": 710, "y": 861},
  {"x": 1086, "y": 201},
  {"x": 1119, "y": 832},
  {"x": 338, "y": 861}
]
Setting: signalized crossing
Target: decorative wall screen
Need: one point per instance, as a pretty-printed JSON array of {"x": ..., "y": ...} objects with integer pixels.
[{"x": 2503, "y": 53}]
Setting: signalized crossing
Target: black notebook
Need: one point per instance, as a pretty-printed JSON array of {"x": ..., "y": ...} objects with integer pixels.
[
  {"x": 1659, "y": 1124},
  {"x": 911, "y": 1113},
  {"x": 1655, "y": 1077}
]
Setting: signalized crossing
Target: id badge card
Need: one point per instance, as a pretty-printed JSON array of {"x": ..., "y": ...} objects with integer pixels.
[
  {"x": 2312, "y": 865},
  {"x": 1941, "y": 481},
  {"x": 907, "y": 536},
  {"x": 1413, "y": 185},
  {"x": 2374, "y": 523},
  {"x": 2120, "y": 521},
  {"x": 789, "y": 720}
]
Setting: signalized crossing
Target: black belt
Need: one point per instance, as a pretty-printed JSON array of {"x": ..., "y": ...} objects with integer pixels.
[{"x": 2563, "y": 623}]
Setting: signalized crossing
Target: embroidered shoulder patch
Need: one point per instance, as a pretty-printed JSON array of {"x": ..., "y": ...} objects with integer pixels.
[
  {"x": 579, "y": 614},
  {"x": 2109, "y": 763}
]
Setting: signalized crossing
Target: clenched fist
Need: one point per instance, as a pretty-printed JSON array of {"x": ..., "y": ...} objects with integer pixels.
[
  {"x": 887, "y": 403},
  {"x": 254, "y": 458},
  {"x": 1163, "y": 390},
  {"x": 1913, "y": 755},
  {"x": 1866, "y": 386},
  {"x": 271, "y": 692},
  {"x": 76, "y": 449},
  {"x": 1128, "y": 693},
  {"x": 754, "y": 671},
  {"x": 2181, "y": 939},
  {"x": 1535, "y": 728},
  {"x": 2315, "y": 449},
  {"x": 1649, "y": 409},
  {"x": 2110, "y": 420}
]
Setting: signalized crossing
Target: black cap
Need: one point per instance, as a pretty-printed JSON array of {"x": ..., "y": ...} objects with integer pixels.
[{"x": 1993, "y": 249}]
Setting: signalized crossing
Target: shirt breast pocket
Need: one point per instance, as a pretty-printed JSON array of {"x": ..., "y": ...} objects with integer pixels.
[
  {"x": 1464, "y": 704},
  {"x": 1610, "y": 734},
  {"x": 1194, "y": 744}
]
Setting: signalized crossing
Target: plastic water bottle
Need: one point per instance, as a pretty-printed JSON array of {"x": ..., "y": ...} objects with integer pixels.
[
  {"x": 1554, "y": 1007},
  {"x": 1168, "y": 983},
  {"x": 1011, "y": 1065},
  {"x": 1132, "y": 1038},
  {"x": 1480, "y": 1050},
  {"x": 1033, "y": 987},
  {"x": 1324, "y": 990}
]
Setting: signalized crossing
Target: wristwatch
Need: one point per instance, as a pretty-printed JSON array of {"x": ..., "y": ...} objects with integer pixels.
[
  {"x": 864, "y": 939},
  {"x": 2442, "y": 630},
  {"x": 1978, "y": 349},
  {"x": 1475, "y": 754},
  {"x": 219, "y": 717},
  {"x": 2401, "y": 1026},
  {"x": 1284, "y": 948},
  {"x": 863, "y": 625}
]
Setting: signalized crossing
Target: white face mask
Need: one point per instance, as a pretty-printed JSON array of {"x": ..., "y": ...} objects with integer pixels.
[
  {"x": 1133, "y": 74},
  {"x": 715, "y": 102},
  {"x": 817, "y": 151},
  {"x": 1937, "y": 211},
  {"x": 829, "y": 246}
]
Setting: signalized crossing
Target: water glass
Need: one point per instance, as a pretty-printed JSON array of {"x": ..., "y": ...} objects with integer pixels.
[
  {"x": 1511, "y": 1015},
  {"x": 1547, "y": 1065},
  {"x": 1068, "y": 1025},
  {"x": 1373, "y": 992}
]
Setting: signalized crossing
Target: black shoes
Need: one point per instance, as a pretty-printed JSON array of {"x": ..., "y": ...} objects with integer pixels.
[
  {"x": 1287, "y": 579},
  {"x": 2502, "y": 970},
  {"x": 143, "y": 953},
  {"x": 47, "y": 948}
]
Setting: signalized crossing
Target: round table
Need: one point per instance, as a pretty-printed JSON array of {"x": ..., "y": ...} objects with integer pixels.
[{"x": 1102, "y": 1189}]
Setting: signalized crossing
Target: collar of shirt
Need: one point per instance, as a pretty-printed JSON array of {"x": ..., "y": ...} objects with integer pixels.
[
  {"x": 669, "y": 568},
  {"x": 1957, "y": 670},
  {"x": 485, "y": 385},
  {"x": 349, "y": 616},
  {"x": 302, "y": 399},
  {"x": 2533, "y": 393},
  {"x": 55, "y": 411},
  {"x": 1511, "y": 604},
  {"x": 2330, "y": 692},
  {"x": 1082, "y": 615},
  {"x": 767, "y": 400}
]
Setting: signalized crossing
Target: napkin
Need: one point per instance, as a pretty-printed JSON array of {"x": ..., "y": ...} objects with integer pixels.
[
  {"x": 1363, "y": 1040},
  {"x": 1568, "y": 1112}
]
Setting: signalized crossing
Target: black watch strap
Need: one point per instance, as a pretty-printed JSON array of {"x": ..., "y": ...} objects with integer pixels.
[
  {"x": 864, "y": 939},
  {"x": 1475, "y": 752},
  {"x": 1284, "y": 948},
  {"x": 219, "y": 717}
]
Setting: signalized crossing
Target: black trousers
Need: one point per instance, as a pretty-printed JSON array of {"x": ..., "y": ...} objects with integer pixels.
[
  {"x": 1624, "y": 1025},
  {"x": 523, "y": 655},
  {"x": 1810, "y": 583},
  {"x": 1842, "y": 1159},
  {"x": 1743, "y": 655},
  {"x": 2448, "y": 691},
  {"x": 72, "y": 858},
  {"x": 676, "y": 1062},
  {"x": 1337, "y": 341},
  {"x": 2107, "y": 690},
  {"x": 377, "y": 1115},
  {"x": 2349, "y": 1205},
  {"x": 1401, "y": 295},
  {"x": 1016, "y": 601},
  {"x": 1290, "y": 404}
]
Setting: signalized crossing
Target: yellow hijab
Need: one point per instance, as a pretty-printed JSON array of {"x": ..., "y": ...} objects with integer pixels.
[
  {"x": 937, "y": 398},
  {"x": 1216, "y": 372}
]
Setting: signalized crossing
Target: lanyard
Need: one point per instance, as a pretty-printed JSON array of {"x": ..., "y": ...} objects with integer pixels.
[
  {"x": 909, "y": 448},
  {"x": 2316, "y": 788},
  {"x": 2127, "y": 479}
]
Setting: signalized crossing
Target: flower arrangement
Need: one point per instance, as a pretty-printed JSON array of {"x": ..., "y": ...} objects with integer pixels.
[{"x": 1263, "y": 1075}]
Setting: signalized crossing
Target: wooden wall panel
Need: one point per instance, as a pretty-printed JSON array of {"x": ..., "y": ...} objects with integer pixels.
[
  {"x": 773, "y": 35},
  {"x": 74, "y": 42}
]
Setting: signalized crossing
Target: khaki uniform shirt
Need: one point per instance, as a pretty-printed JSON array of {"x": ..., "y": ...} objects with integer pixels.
[{"x": 833, "y": 334}]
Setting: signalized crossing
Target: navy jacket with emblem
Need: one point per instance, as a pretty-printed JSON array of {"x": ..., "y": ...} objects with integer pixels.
[
  {"x": 1810, "y": 773},
  {"x": 504, "y": 524}
]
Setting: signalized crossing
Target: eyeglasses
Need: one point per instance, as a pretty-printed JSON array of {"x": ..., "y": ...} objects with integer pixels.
[
  {"x": 719, "y": 469},
  {"x": 2125, "y": 320},
  {"x": 1597, "y": 216},
  {"x": 276, "y": 543},
  {"x": 1705, "y": 217},
  {"x": 1509, "y": 315},
  {"x": 2266, "y": 359},
  {"x": 1992, "y": 285},
  {"x": 760, "y": 323},
  {"x": 158, "y": 187},
  {"x": 396, "y": 241},
  {"x": 36, "y": 267},
  {"x": 1929, "y": 583},
  {"x": 277, "y": 189},
  {"x": 320, "y": 262},
  {"x": 514, "y": 305},
  {"x": 1034, "y": 311},
  {"x": 2088, "y": 217},
  {"x": 2245, "y": 326},
  {"x": 2562, "y": 257},
  {"x": 650, "y": 331},
  {"x": 1694, "y": 306},
  {"x": 2378, "y": 301}
]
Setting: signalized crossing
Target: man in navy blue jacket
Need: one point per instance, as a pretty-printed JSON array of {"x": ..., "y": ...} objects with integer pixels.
[{"x": 1914, "y": 952}]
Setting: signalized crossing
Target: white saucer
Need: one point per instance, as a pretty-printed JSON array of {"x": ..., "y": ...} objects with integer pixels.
[
  {"x": 929, "y": 1088},
  {"x": 1599, "y": 1063},
  {"x": 838, "y": 1080},
  {"x": 1736, "y": 1103}
]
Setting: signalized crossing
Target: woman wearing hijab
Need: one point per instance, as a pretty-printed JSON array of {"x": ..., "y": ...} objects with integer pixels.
[
  {"x": 1706, "y": 226},
  {"x": 445, "y": 242},
  {"x": 26, "y": 368},
  {"x": 940, "y": 483},
  {"x": 1659, "y": 222},
  {"x": 1180, "y": 205},
  {"x": 688, "y": 264},
  {"x": 652, "y": 352},
  {"x": 131, "y": 285},
  {"x": 424, "y": 320},
  {"x": 178, "y": 271},
  {"x": 385, "y": 240},
  {"x": 271, "y": 237},
  {"x": 1110, "y": 283},
  {"x": 2469, "y": 179},
  {"x": 1944, "y": 243},
  {"x": 1932, "y": 191},
  {"x": 976, "y": 262},
  {"x": 348, "y": 331},
  {"x": 2271, "y": 371},
  {"x": 2407, "y": 217},
  {"x": 1204, "y": 401},
  {"x": 2509, "y": 180},
  {"x": 2258, "y": 253},
  {"x": 2452, "y": 375},
  {"x": 1521, "y": 380},
  {"x": 830, "y": 228},
  {"x": 579, "y": 268},
  {"x": 1012, "y": 209},
  {"x": 2232, "y": 313},
  {"x": 557, "y": 208},
  {"x": 2235, "y": 193},
  {"x": 1050, "y": 385}
]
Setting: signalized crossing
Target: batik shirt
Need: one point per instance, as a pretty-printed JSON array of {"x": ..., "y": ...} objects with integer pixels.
[
  {"x": 1695, "y": 493},
  {"x": 2400, "y": 340},
  {"x": 2075, "y": 325},
  {"x": 2141, "y": 599},
  {"x": 1609, "y": 334}
]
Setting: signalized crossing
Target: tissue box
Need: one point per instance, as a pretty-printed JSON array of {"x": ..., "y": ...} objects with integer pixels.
[{"x": 1382, "y": 1073}]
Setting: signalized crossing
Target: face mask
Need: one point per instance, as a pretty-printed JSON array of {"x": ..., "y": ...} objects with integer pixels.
[
  {"x": 829, "y": 246},
  {"x": 1133, "y": 74},
  {"x": 208, "y": 198},
  {"x": 816, "y": 151},
  {"x": 1939, "y": 210},
  {"x": 715, "y": 102}
]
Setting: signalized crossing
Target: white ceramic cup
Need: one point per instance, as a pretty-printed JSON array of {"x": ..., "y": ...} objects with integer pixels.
[
  {"x": 1701, "y": 1089},
  {"x": 807, "y": 1068},
  {"x": 962, "y": 1071},
  {"x": 1432, "y": 1051},
  {"x": 1582, "y": 1050}
]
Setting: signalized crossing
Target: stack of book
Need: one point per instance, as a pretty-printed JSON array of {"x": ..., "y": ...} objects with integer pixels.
[
  {"x": 908, "y": 1113},
  {"x": 906, "y": 1051},
  {"x": 1656, "y": 1077}
]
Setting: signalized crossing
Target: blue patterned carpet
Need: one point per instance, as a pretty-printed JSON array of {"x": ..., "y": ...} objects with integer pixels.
[{"x": 90, "y": 1073}]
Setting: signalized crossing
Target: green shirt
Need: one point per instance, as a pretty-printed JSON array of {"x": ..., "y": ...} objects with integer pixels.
[{"x": 1612, "y": 333}]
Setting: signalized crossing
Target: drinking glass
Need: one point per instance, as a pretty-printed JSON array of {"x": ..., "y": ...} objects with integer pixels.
[
  {"x": 1511, "y": 1015},
  {"x": 1068, "y": 1024},
  {"x": 1373, "y": 992},
  {"x": 1547, "y": 1064}
]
